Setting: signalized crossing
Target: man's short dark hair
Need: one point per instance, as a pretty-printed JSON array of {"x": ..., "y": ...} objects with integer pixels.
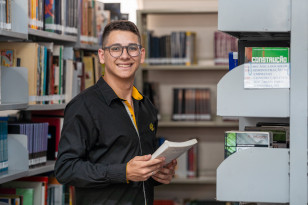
[{"x": 121, "y": 25}]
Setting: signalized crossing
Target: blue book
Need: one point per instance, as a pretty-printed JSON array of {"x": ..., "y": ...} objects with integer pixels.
[
  {"x": 233, "y": 60},
  {"x": 3, "y": 144}
]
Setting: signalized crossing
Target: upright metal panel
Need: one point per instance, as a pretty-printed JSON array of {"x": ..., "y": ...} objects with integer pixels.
[
  {"x": 252, "y": 15},
  {"x": 298, "y": 103}
]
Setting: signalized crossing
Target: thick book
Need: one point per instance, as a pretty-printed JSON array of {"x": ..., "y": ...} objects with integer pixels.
[{"x": 172, "y": 150}]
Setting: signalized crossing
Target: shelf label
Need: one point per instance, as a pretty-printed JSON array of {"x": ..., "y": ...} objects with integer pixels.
[{"x": 267, "y": 75}]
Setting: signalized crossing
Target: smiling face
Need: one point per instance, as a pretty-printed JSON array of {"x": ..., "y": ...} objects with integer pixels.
[{"x": 125, "y": 66}]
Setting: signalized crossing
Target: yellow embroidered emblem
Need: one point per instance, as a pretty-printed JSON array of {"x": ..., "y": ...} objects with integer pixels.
[{"x": 151, "y": 126}]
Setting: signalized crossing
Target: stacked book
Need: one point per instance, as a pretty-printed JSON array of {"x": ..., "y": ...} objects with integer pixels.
[{"x": 191, "y": 104}]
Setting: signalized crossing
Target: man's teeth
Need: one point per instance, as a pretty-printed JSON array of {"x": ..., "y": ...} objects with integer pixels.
[{"x": 124, "y": 65}]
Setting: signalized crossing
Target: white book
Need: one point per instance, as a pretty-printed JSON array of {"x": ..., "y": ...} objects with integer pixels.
[{"x": 172, "y": 150}]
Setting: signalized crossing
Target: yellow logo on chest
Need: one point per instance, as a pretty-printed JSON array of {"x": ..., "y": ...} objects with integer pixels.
[{"x": 151, "y": 126}]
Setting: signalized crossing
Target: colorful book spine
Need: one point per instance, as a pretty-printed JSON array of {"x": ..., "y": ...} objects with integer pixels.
[{"x": 50, "y": 16}]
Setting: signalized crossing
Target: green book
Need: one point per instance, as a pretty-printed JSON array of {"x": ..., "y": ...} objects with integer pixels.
[
  {"x": 267, "y": 54},
  {"x": 27, "y": 193}
]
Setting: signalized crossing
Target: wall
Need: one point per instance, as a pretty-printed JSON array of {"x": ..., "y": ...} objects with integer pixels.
[{"x": 179, "y": 4}]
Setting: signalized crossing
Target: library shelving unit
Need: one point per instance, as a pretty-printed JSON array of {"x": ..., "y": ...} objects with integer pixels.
[
  {"x": 205, "y": 74},
  {"x": 266, "y": 175},
  {"x": 14, "y": 87}
]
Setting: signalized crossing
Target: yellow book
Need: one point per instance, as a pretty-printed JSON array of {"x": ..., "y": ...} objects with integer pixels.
[{"x": 89, "y": 71}]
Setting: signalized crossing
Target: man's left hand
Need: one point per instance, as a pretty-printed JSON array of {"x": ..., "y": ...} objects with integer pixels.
[{"x": 166, "y": 173}]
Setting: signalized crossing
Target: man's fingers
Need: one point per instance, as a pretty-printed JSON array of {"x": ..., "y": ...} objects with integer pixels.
[{"x": 143, "y": 158}]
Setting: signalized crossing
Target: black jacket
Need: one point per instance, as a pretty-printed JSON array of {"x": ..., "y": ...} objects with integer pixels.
[{"x": 98, "y": 139}]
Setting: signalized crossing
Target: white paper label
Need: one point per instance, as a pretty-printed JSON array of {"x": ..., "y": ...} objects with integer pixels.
[{"x": 267, "y": 75}]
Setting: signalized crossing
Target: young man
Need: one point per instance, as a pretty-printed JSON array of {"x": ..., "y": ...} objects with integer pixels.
[{"x": 109, "y": 131}]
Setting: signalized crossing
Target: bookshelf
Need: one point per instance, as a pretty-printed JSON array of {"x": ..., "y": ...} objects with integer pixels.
[
  {"x": 274, "y": 175},
  {"x": 205, "y": 74},
  {"x": 14, "y": 85}
]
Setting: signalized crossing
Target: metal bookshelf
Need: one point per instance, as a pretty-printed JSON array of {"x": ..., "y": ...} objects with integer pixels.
[
  {"x": 51, "y": 36},
  {"x": 16, "y": 174},
  {"x": 46, "y": 107},
  {"x": 11, "y": 35},
  {"x": 267, "y": 175},
  {"x": 217, "y": 122}
]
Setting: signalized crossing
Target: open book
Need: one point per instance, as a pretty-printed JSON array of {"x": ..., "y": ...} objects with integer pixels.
[{"x": 172, "y": 150}]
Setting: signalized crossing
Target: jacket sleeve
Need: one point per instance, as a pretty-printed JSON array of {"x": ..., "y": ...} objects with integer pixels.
[{"x": 72, "y": 165}]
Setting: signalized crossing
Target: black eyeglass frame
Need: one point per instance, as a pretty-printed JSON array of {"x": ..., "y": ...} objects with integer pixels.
[{"x": 126, "y": 47}]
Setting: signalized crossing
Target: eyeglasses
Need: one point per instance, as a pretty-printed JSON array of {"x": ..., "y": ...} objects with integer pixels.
[{"x": 116, "y": 50}]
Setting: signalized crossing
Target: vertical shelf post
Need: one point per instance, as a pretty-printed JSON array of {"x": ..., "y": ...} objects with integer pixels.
[{"x": 298, "y": 102}]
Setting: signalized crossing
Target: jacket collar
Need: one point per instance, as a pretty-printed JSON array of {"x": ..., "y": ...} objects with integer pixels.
[{"x": 110, "y": 95}]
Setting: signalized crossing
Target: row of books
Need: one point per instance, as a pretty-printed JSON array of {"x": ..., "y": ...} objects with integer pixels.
[
  {"x": 272, "y": 135},
  {"x": 223, "y": 44},
  {"x": 5, "y": 15},
  {"x": 191, "y": 104},
  {"x": 187, "y": 164},
  {"x": 37, "y": 136},
  {"x": 36, "y": 190},
  {"x": 53, "y": 76},
  {"x": 178, "y": 48},
  {"x": 44, "y": 62},
  {"x": 94, "y": 16},
  {"x": 92, "y": 68}
]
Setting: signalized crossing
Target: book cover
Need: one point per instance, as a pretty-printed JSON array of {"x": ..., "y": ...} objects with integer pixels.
[
  {"x": 281, "y": 134},
  {"x": 172, "y": 150},
  {"x": 267, "y": 54},
  {"x": 238, "y": 140},
  {"x": 8, "y": 57}
]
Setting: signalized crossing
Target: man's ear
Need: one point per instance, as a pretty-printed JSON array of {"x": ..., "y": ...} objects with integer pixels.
[
  {"x": 101, "y": 56},
  {"x": 142, "y": 55}
]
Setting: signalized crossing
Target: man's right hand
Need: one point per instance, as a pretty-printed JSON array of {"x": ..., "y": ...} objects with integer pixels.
[{"x": 140, "y": 168}]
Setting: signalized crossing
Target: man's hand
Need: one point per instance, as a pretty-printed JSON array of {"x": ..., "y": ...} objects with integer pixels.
[
  {"x": 140, "y": 168},
  {"x": 166, "y": 173}
]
